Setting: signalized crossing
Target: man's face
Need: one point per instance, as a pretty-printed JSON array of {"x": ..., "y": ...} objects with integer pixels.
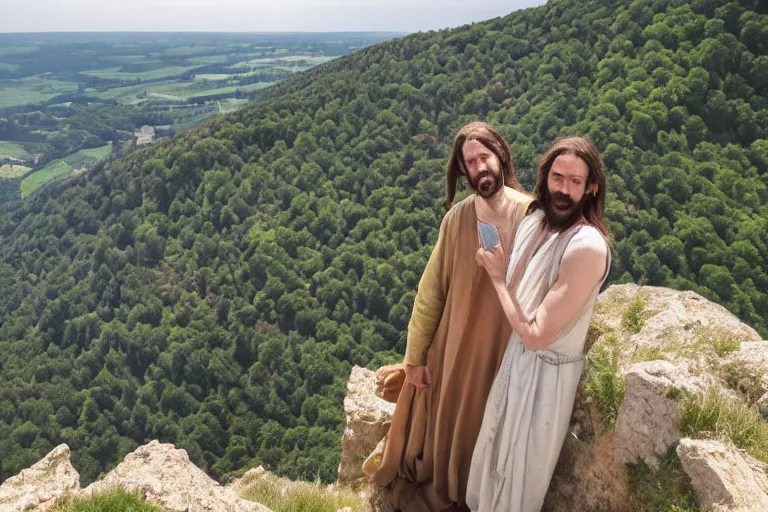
[
  {"x": 566, "y": 183},
  {"x": 483, "y": 169}
]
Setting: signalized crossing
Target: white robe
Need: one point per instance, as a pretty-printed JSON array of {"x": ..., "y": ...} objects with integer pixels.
[{"x": 529, "y": 408}]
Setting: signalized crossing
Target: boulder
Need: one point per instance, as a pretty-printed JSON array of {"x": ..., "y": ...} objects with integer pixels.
[
  {"x": 745, "y": 369},
  {"x": 368, "y": 419},
  {"x": 40, "y": 486},
  {"x": 648, "y": 419},
  {"x": 724, "y": 478},
  {"x": 164, "y": 476},
  {"x": 679, "y": 325}
]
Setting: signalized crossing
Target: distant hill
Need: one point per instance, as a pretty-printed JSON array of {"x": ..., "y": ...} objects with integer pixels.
[{"x": 215, "y": 291}]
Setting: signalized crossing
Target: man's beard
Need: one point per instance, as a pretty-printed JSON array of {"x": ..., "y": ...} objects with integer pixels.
[
  {"x": 562, "y": 211},
  {"x": 487, "y": 183}
]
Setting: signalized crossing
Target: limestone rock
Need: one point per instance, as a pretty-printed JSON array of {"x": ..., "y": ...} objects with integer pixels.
[
  {"x": 746, "y": 369},
  {"x": 368, "y": 420},
  {"x": 647, "y": 422},
  {"x": 762, "y": 402},
  {"x": 164, "y": 476},
  {"x": 40, "y": 486},
  {"x": 724, "y": 478},
  {"x": 250, "y": 476},
  {"x": 679, "y": 324},
  {"x": 683, "y": 329}
]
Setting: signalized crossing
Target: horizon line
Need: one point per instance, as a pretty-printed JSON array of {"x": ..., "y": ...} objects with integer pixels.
[{"x": 281, "y": 32}]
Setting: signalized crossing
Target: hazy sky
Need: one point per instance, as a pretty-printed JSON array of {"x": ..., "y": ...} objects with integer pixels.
[{"x": 248, "y": 15}]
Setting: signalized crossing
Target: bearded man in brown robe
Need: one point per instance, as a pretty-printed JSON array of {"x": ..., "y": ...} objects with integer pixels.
[{"x": 457, "y": 335}]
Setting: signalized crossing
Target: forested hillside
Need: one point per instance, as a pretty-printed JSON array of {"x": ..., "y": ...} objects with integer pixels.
[{"x": 215, "y": 290}]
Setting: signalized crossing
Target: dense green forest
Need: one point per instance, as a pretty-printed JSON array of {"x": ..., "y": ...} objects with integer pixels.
[{"x": 215, "y": 291}]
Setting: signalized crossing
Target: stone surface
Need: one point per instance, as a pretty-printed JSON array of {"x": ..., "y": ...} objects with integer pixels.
[
  {"x": 698, "y": 346},
  {"x": 368, "y": 419},
  {"x": 647, "y": 422},
  {"x": 164, "y": 476},
  {"x": 746, "y": 369},
  {"x": 40, "y": 486},
  {"x": 682, "y": 325},
  {"x": 724, "y": 478}
]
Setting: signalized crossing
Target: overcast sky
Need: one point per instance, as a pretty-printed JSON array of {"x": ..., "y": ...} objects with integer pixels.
[{"x": 248, "y": 15}]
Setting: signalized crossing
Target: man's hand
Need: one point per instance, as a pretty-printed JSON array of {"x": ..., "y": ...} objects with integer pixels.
[
  {"x": 418, "y": 376},
  {"x": 494, "y": 261}
]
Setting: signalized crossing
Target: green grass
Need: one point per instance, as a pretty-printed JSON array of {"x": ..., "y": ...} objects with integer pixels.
[
  {"x": 124, "y": 59},
  {"x": 211, "y": 59},
  {"x": 180, "y": 51},
  {"x": 218, "y": 90},
  {"x": 603, "y": 383},
  {"x": 715, "y": 416},
  {"x": 231, "y": 104},
  {"x": 648, "y": 354},
  {"x": 88, "y": 157},
  {"x": 192, "y": 121},
  {"x": 12, "y": 149},
  {"x": 746, "y": 379},
  {"x": 97, "y": 153},
  {"x": 633, "y": 318},
  {"x": 119, "y": 93},
  {"x": 184, "y": 90},
  {"x": 666, "y": 490},
  {"x": 11, "y": 96},
  {"x": 117, "y": 501},
  {"x": 17, "y": 50},
  {"x": 213, "y": 77},
  {"x": 44, "y": 175},
  {"x": 13, "y": 171},
  {"x": 116, "y": 74},
  {"x": 302, "y": 497},
  {"x": 31, "y": 89},
  {"x": 725, "y": 345}
]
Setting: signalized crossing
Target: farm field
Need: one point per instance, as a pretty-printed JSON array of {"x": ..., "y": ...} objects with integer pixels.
[
  {"x": 13, "y": 171},
  {"x": 35, "y": 180},
  {"x": 61, "y": 93},
  {"x": 12, "y": 149}
]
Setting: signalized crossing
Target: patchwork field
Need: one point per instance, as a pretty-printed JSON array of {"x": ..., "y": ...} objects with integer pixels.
[
  {"x": 13, "y": 171},
  {"x": 155, "y": 74},
  {"x": 41, "y": 176},
  {"x": 61, "y": 93},
  {"x": 12, "y": 149}
]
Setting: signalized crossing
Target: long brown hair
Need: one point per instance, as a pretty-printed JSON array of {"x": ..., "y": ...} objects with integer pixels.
[
  {"x": 593, "y": 209},
  {"x": 488, "y": 137}
]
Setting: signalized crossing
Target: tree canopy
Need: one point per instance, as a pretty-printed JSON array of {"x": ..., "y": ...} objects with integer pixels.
[{"x": 215, "y": 291}]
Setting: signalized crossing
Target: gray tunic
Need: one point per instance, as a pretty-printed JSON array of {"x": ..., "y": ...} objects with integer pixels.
[{"x": 529, "y": 408}]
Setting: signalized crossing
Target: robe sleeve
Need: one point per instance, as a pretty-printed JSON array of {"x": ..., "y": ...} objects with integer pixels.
[{"x": 431, "y": 294}]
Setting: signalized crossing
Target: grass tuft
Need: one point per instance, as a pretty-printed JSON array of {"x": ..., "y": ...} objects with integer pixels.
[
  {"x": 666, "y": 490},
  {"x": 716, "y": 416},
  {"x": 116, "y": 501},
  {"x": 633, "y": 318},
  {"x": 644, "y": 354},
  {"x": 725, "y": 345},
  {"x": 302, "y": 496},
  {"x": 603, "y": 384}
]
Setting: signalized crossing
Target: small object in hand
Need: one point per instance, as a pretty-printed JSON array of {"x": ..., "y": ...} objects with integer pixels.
[
  {"x": 389, "y": 382},
  {"x": 489, "y": 235}
]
